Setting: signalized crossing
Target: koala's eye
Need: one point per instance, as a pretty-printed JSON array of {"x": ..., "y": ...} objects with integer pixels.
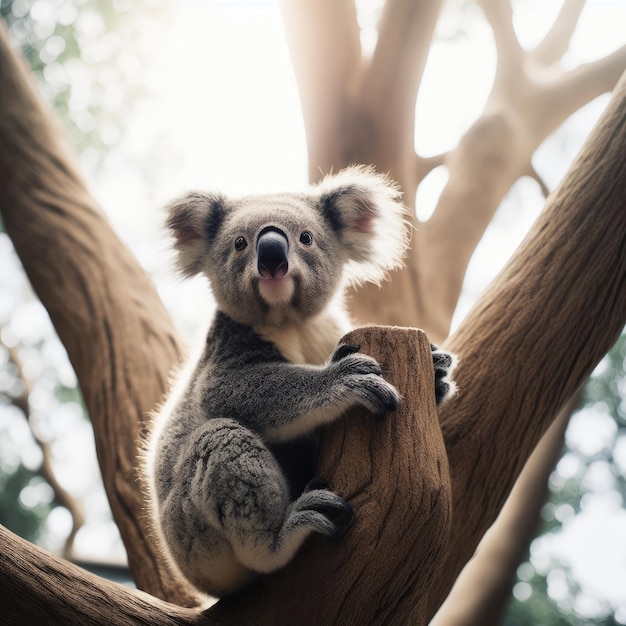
[
  {"x": 306, "y": 238},
  {"x": 240, "y": 244}
]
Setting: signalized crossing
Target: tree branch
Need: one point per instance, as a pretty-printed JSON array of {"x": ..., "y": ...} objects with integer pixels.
[
  {"x": 523, "y": 108},
  {"x": 553, "y": 313},
  {"x": 554, "y": 45},
  {"x": 506, "y": 542},
  {"x": 324, "y": 42},
  {"x": 404, "y": 37},
  {"x": 38, "y": 588},
  {"x": 581, "y": 85},
  {"x": 117, "y": 333},
  {"x": 499, "y": 14}
]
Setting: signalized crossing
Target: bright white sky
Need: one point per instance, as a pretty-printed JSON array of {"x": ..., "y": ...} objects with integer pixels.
[{"x": 226, "y": 105}]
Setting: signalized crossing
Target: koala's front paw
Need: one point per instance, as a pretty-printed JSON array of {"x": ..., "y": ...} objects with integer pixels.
[
  {"x": 444, "y": 363},
  {"x": 360, "y": 377}
]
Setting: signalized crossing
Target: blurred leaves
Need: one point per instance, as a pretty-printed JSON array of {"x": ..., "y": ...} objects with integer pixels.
[
  {"x": 587, "y": 486},
  {"x": 90, "y": 58}
]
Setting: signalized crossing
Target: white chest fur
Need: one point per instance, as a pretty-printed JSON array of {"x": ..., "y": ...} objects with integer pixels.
[{"x": 311, "y": 341}]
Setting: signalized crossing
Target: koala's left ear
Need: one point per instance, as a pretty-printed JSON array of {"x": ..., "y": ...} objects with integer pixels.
[{"x": 365, "y": 209}]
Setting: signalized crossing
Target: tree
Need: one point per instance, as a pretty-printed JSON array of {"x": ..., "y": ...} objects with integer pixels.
[{"x": 569, "y": 275}]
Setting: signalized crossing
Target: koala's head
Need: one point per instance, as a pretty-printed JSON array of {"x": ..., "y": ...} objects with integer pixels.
[{"x": 277, "y": 258}]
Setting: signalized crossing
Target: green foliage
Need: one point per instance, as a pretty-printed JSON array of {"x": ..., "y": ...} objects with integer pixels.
[
  {"x": 16, "y": 512},
  {"x": 89, "y": 58},
  {"x": 546, "y": 591}
]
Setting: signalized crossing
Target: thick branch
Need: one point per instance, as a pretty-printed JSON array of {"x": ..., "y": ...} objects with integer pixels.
[
  {"x": 536, "y": 335},
  {"x": 404, "y": 37},
  {"x": 499, "y": 14},
  {"x": 38, "y": 588},
  {"x": 325, "y": 47},
  {"x": 117, "y": 333}
]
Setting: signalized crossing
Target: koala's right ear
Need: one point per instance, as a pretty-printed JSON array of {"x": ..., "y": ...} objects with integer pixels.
[{"x": 194, "y": 220}]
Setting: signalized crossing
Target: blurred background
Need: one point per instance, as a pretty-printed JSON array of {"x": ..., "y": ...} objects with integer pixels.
[{"x": 159, "y": 96}]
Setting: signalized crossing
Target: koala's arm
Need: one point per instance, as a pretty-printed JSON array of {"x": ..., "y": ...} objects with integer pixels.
[{"x": 283, "y": 401}]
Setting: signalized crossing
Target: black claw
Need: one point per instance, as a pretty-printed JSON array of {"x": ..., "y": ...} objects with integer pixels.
[
  {"x": 344, "y": 350},
  {"x": 442, "y": 360},
  {"x": 439, "y": 374},
  {"x": 340, "y": 513},
  {"x": 336, "y": 534},
  {"x": 380, "y": 416},
  {"x": 440, "y": 391},
  {"x": 315, "y": 483}
]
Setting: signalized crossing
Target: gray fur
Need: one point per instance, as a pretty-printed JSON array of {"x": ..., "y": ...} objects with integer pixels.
[{"x": 234, "y": 446}]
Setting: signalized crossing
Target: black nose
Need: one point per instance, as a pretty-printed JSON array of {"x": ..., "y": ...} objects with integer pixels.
[{"x": 272, "y": 250}]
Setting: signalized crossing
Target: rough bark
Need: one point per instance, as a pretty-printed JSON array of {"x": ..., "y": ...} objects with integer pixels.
[
  {"x": 381, "y": 569},
  {"x": 117, "y": 333},
  {"x": 535, "y": 336},
  {"x": 497, "y": 557}
]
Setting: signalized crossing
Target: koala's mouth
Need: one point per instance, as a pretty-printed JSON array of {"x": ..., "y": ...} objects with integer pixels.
[
  {"x": 274, "y": 274},
  {"x": 276, "y": 290}
]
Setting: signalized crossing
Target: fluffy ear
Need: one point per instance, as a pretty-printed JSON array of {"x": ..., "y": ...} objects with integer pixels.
[
  {"x": 365, "y": 208},
  {"x": 194, "y": 220}
]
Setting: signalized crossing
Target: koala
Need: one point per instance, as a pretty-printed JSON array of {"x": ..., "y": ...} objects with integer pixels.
[{"x": 231, "y": 457}]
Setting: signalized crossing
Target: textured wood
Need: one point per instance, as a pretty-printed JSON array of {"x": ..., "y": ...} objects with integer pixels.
[
  {"x": 535, "y": 336},
  {"x": 38, "y": 588},
  {"x": 395, "y": 475},
  {"x": 117, "y": 333}
]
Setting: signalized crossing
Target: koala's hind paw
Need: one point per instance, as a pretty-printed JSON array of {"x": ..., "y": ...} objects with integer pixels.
[
  {"x": 444, "y": 363},
  {"x": 343, "y": 350},
  {"x": 336, "y": 513},
  {"x": 324, "y": 512},
  {"x": 315, "y": 483}
]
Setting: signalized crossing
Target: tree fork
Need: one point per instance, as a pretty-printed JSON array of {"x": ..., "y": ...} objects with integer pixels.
[{"x": 536, "y": 335}]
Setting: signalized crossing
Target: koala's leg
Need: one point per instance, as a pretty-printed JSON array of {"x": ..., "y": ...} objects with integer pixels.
[{"x": 239, "y": 489}]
